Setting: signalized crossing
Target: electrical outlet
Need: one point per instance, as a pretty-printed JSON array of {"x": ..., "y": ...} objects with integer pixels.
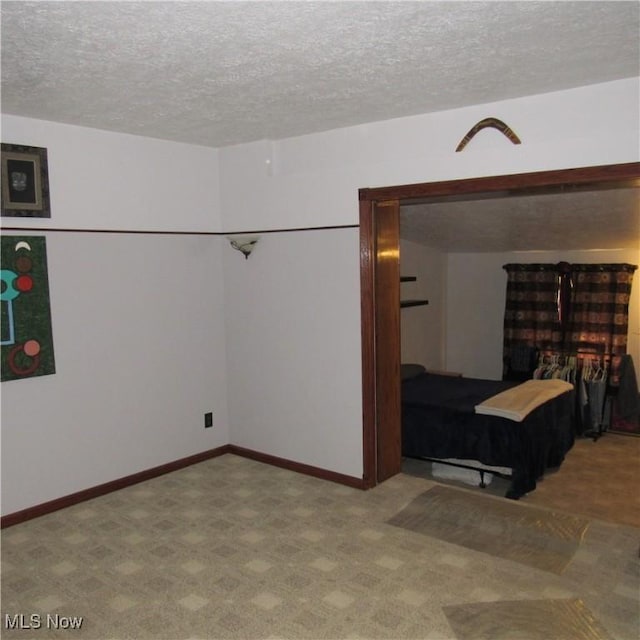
[{"x": 208, "y": 420}]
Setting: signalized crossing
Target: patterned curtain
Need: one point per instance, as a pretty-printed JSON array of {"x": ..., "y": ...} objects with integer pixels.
[
  {"x": 532, "y": 310},
  {"x": 570, "y": 308},
  {"x": 599, "y": 317}
]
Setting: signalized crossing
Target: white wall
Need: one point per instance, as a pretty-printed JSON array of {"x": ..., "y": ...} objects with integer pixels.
[
  {"x": 313, "y": 181},
  {"x": 422, "y": 329},
  {"x": 476, "y": 298},
  {"x": 294, "y": 351},
  {"x": 137, "y": 319},
  {"x": 105, "y": 180}
]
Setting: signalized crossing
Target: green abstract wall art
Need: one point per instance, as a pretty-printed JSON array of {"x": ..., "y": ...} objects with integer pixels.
[{"x": 27, "y": 339}]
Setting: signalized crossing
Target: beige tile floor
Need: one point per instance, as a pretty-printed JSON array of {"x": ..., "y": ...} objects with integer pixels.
[{"x": 231, "y": 548}]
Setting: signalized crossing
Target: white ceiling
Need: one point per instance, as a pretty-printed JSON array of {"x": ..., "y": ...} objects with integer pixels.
[
  {"x": 580, "y": 220},
  {"x": 222, "y": 73}
]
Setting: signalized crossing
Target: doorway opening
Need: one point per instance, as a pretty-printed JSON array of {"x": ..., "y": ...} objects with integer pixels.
[{"x": 380, "y": 285}]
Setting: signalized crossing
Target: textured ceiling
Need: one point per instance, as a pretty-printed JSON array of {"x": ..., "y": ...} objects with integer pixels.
[
  {"x": 583, "y": 220},
  {"x": 221, "y": 73}
]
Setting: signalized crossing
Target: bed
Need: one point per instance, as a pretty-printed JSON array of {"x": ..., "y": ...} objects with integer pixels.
[{"x": 440, "y": 422}]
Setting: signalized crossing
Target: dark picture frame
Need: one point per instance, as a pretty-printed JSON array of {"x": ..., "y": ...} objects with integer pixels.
[{"x": 25, "y": 181}]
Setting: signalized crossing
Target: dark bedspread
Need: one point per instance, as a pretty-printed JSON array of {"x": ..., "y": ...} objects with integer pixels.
[{"x": 439, "y": 421}]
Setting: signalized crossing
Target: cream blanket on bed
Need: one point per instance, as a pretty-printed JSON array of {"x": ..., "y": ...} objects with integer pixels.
[{"x": 516, "y": 403}]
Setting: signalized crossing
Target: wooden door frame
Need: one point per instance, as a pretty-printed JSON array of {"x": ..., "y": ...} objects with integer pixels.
[{"x": 380, "y": 420}]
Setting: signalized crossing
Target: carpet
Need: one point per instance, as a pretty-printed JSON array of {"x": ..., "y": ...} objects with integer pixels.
[{"x": 539, "y": 538}]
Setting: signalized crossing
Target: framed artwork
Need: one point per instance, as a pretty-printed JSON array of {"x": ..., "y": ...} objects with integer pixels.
[
  {"x": 26, "y": 336},
  {"x": 25, "y": 181}
]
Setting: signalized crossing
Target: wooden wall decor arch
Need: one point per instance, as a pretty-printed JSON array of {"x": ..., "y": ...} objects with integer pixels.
[{"x": 494, "y": 123}]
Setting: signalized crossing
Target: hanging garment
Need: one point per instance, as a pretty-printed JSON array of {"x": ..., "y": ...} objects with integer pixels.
[
  {"x": 597, "y": 392},
  {"x": 628, "y": 399}
]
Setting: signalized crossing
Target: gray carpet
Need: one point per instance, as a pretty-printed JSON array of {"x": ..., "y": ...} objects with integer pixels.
[{"x": 539, "y": 538}]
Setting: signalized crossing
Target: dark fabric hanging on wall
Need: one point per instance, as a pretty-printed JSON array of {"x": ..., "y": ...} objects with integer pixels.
[
  {"x": 600, "y": 308},
  {"x": 531, "y": 318},
  {"x": 626, "y": 403},
  {"x": 570, "y": 308}
]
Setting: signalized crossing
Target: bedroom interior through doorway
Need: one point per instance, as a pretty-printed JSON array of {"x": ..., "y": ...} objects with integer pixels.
[{"x": 380, "y": 286}]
